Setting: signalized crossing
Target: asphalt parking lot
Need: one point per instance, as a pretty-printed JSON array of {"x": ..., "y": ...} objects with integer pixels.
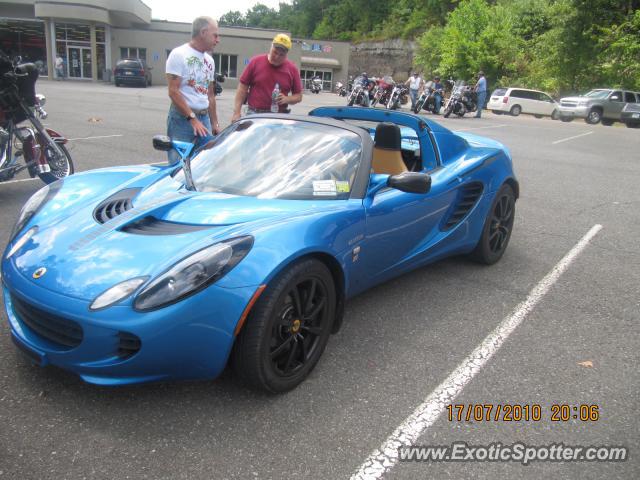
[{"x": 577, "y": 344}]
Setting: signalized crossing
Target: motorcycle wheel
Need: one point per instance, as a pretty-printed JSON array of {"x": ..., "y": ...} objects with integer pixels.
[
  {"x": 447, "y": 111},
  {"x": 374, "y": 101},
  {"x": 418, "y": 107},
  {"x": 60, "y": 168},
  {"x": 461, "y": 111},
  {"x": 351, "y": 100}
]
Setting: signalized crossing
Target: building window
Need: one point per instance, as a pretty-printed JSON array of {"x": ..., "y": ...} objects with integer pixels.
[
  {"x": 307, "y": 75},
  {"x": 226, "y": 64},
  {"x": 73, "y": 45},
  {"x": 133, "y": 52},
  {"x": 26, "y": 39}
]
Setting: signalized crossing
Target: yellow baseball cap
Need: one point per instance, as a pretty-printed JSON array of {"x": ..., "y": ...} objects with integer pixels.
[{"x": 282, "y": 40}]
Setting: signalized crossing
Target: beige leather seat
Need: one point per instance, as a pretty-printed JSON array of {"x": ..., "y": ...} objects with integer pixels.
[{"x": 387, "y": 156}]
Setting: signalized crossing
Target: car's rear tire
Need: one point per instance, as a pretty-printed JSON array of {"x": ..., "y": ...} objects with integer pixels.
[
  {"x": 594, "y": 116},
  {"x": 515, "y": 110},
  {"x": 497, "y": 228},
  {"x": 288, "y": 328}
]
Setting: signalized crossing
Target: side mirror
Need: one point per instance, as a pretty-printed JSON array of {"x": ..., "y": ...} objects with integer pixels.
[
  {"x": 162, "y": 143},
  {"x": 614, "y": 98},
  {"x": 410, "y": 182}
]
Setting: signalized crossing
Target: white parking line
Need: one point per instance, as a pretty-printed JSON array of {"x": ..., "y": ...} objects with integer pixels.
[
  {"x": 99, "y": 136},
  {"x": 21, "y": 180},
  {"x": 386, "y": 457},
  {"x": 571, "y": 138},
  {"x": 479, "y": 128}
]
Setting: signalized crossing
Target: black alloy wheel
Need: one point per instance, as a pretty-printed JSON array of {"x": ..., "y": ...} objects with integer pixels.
[
  {"x": 497, "y": 227},
  {"x": 288, "y": 329}
]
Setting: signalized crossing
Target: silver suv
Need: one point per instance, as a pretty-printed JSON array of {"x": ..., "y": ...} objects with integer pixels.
[{"x": 598, "y": 105}]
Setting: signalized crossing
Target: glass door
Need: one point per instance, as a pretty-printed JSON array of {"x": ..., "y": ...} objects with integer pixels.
[
  {"x": 74, "y": 65},
  {"x": 79, "y": 64}
]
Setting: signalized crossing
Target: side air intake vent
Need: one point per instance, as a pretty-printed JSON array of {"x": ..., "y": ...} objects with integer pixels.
[
  {"x": 115, "y": 205},
  {"x": 154, "y": 226},
  {"x": 468, "y": 196}
]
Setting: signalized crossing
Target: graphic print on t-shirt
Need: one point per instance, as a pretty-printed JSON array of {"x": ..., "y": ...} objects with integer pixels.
[{"x": 198, "y": 74}]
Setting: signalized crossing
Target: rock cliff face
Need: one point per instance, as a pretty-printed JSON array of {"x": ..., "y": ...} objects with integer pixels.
[{"x": 390, "y": 57}]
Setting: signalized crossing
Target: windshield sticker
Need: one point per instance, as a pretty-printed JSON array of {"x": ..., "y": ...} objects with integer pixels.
[
  {"x": 342, "y": 186},
  {"x": 324, "y": 188}
]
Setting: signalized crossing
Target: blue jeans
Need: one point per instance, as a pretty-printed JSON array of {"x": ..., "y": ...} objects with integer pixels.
[
  {"x": 414, "y": 97},
  {"x": 437, "y": 100},
  {"x": 481, "y": 98},
  {"x": 179, "y": 128}
]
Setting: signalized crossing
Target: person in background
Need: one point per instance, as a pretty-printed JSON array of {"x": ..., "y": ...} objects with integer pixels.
[
  {"x": 481, "y": 90},
  {"x": 190, "y": 73},
  {"x": 259, "y": 79},
  {"x": 415, "y": 85},
  {"x": 437, "y": 97},
  {"x": 59, "y": 67}
]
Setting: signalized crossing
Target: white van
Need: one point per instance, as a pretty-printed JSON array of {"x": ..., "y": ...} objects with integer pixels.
[{"x": 521, "y": 100}]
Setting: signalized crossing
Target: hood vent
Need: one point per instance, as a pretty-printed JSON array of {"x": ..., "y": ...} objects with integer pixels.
[
  {"x": 154, "y": 226},
  {"x": 468, "y": 196},
  {"x": 115, "y": 205}
]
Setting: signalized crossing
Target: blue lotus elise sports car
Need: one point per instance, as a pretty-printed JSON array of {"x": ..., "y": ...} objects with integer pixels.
[{"x": 246, "y": 252}]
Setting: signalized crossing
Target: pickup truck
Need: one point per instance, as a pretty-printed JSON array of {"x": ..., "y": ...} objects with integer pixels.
[{"x": 598, "y": 105}]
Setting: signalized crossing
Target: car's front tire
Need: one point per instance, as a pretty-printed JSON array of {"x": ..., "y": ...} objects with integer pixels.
[
  {"x": 594, "y": 116},
  {"x": 497, "y": 227},
  {"x": 288, "y": 328}
]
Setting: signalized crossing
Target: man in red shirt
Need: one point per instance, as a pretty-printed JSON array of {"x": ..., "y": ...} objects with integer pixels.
[{"x": 260, "y": 77}]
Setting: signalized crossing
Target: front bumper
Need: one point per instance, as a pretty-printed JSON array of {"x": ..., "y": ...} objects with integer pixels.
[
  {"x": 191, "y": 339},
  {"x": 574, "y": 112}
]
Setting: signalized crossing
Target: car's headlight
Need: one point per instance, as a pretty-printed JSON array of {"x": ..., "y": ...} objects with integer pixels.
[
  {"x": 18, "y": 244},
  {"x": 35, "y": 203},
  {"x": 193, "y": 273},
  {"x": 116, "y": 293}
]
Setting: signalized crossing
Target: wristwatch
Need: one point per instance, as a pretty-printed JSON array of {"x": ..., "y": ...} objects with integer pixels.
[{"x": 191, "y": 116}]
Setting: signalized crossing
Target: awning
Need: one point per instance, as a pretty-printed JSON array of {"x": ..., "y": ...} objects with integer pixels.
[{"x": 320, "y": 62}]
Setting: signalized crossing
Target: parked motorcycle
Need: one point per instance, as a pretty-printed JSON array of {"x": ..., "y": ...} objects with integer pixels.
[
  {"x": 34, "y": 147},
  {"x": 427, "y": 100},
  {"x": 382, "y": 91},
  {"x": 399, "y": 96},
  {"x": 461, "y": 100},
  {"x": 340, "y": 89},
  {"x": 362, "y": 87},
  {"x": 219, "y": 79},
  {"x": 316, "y": 85}
]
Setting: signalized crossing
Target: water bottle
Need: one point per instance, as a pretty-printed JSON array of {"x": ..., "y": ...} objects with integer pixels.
[{"x": 274, "y": 99}]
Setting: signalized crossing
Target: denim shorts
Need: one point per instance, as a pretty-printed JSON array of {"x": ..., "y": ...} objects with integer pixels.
[{"x": 179, "y": 128}]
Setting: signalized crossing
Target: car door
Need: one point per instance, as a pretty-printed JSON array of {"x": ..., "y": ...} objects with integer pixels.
[
  {"x": 401, "y": 227},
  {"x": 614, "y": 104},
  {"x": 546, "y": 104}
]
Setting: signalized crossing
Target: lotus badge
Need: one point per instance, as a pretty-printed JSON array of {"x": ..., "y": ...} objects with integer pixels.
[{"x": 39, "y": 272}]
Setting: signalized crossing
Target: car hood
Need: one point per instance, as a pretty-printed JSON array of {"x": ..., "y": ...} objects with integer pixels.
[
  {"x": 166, "y": 223},
  {"x": 575, "y": 99}
]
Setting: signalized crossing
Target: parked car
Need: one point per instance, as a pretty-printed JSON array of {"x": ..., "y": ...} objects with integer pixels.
[
  {"x": 132, "y": 71},
  {"x": 630, "y": 115},
  {"x": 521, "y": 100},
  {"x": 602, "y": 104},
  {"x": 250, "y": 250}
]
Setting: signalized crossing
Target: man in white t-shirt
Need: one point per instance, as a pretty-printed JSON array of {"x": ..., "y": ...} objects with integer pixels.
[
  {"x": 414, "y": 83},
  {"x": 190, "y": 72}
]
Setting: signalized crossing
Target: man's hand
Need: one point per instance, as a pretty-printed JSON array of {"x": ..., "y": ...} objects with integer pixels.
[
  {"x": 282, "y": 99},
  {"x": 199, "y": 129}
]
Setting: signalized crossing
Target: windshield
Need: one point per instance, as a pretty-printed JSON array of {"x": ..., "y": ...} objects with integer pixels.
[
  {"x": 598, "y": 93},
  {"x": 277, "y": 158}
]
